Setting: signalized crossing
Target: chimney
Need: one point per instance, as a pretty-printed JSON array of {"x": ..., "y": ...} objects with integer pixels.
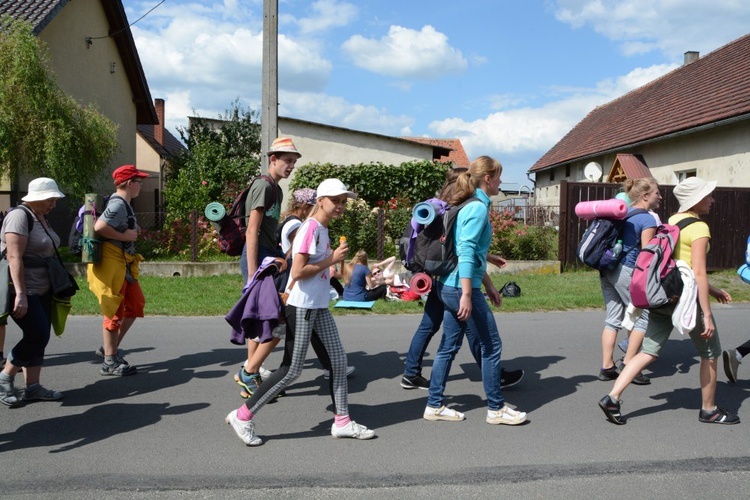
[
  {"x": 691, "y": 56},
  {"x": 159, "y": 127}
]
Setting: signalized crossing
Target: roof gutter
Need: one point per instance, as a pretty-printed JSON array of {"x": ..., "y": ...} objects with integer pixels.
[{"x": 673, "y": 135}]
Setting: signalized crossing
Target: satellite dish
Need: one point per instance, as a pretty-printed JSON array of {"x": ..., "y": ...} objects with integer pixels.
[{"x": 593, "y": 171}]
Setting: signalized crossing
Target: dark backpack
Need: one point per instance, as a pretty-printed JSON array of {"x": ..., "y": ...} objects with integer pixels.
[
  {"x": 232, "y": 226},
  {"x": 656, "y": 280},
  {"x": 433, "y": 250},
  {"x": 511, "y": 289},
  {"x": 599, "y": 239}
]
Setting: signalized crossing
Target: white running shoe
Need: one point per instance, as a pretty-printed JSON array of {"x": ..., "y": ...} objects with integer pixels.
[
  {"x": 264, "y": 374},
  {"x": 505, "y": 415},
  {"x": 352, "y": 430},
  {"x": 443, "y": 413},
  {"x": 349, "y": 371},
  {"x": 244, "y": 430}
]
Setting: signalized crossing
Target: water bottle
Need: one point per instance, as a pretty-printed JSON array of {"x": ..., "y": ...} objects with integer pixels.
[
  {"x": 617, "y": 249},
  {"x": 747, "y": 252}
]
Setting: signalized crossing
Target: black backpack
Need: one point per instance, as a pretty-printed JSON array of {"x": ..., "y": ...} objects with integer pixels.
[
  {"x": 599, "y": 239},
  {"x": 434, "y": 249}
]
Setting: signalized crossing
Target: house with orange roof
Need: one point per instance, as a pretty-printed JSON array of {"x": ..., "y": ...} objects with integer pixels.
[{"x": 693, "y": 121}]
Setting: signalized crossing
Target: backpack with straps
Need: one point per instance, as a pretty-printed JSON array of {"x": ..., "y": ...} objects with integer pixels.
[
  {"x": 434, "y": 248},
  {"x": 657, "y": 281},
  {"x": 598, "y": 241},
  {"x": 232, "y": 226}
]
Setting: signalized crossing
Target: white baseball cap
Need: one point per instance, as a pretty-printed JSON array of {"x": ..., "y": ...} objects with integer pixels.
[{"x": 334, "y": 187}]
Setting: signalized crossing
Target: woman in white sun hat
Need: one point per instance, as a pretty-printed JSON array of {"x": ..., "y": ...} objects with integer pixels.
[
  {"x": 26, "y": 239},
  {"x": 694, "y": 196}
]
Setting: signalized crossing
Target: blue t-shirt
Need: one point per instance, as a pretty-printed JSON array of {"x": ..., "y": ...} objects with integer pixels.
[
  {"x": 631, "y": 236},
  {"x": 357, "y": 286}
]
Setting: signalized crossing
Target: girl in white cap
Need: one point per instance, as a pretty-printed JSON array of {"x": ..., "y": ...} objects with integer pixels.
[
  {"x": 307, "y": 311},
  {"x": 694, "y": 196}
]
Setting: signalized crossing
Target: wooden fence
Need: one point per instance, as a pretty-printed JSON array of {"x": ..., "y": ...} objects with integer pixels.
[{"x": 729, "y": 221}]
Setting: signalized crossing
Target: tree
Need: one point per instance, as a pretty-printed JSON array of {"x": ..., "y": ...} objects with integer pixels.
[
  {"x": 218, "y": 164},
  {"x": 44, "y": 132}
]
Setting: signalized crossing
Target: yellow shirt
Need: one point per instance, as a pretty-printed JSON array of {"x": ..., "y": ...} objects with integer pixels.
[{"x": 697, "y": 230}]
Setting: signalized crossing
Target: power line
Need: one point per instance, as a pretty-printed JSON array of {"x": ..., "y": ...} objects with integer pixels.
[{"x": 89, "y": 39}]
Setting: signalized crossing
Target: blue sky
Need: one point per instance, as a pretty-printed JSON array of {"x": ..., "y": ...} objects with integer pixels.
[{"x": 507, "y": 77}]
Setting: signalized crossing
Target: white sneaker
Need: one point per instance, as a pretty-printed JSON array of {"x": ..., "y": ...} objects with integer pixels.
[
  {"x": 264, "y": 374},
  {"x": 349, "y": 371},
  {"x": 352, "y": 430},
  {"x": 505, "y": 415},
  {"x": 245, "y": 430},
  {"x": 443, "y": 413}
]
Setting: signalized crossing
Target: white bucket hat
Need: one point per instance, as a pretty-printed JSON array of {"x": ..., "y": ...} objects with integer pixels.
[
  {"x": 691, "y": 191},
  {"x": 41, "y": 189}
]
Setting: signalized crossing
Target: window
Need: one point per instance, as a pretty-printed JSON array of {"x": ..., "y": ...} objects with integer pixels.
[
  {"x": 567, "y": 170},
  {"x": 681, "y": 176},
  {"x": 552, "y": 174}
]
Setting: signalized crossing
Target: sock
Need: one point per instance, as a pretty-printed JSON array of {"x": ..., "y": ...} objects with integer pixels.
[
  {"x": 109, "y": 360},
  {"x": 244, "y": 414},
  {"x": 341, "y": 420},
  {"x": 6, "y": 378},
  {"x": 736, "y": 353}
]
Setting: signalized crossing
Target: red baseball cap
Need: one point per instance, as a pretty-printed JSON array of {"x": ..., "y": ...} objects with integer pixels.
[{"x": 125, "y": 173}]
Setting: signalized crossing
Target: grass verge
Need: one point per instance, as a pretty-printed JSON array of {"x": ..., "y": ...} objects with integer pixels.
[{"x": 215, "y": 295}]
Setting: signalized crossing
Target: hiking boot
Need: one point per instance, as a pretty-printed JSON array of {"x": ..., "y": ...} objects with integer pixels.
[
  {"x": 608, "y": 373},
  {"x": 100, "y": 353},
  {"x": 352, "y": 430},
  {"x": 415, "y": 382},
  {"x": 718, "y": 416},
  {"x": 731, "y": 364},
  {"x": 117, "y": 369},
  {"x": 349, "y": 371},
  {"x": 245, "y": 430},
  {"x": 442, "y": 413},
  {"x": 510, "y": 378},
  {"x": 505, "y": 415},
  {"x": 8, "y": 395},
  {"x": 38, "y": 393},
  {"x": 249, "y": 382},
  {"x": 611, "y": 409}
]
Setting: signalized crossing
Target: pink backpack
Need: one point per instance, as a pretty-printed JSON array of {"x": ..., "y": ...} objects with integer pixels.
[{"x": 656, "y": 280}]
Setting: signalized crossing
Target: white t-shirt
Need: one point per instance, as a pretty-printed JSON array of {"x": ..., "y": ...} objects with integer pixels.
[{"x": 311, "y": 293}]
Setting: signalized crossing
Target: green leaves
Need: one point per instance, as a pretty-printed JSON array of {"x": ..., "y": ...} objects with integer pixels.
[{"x": 44, "y": 132}]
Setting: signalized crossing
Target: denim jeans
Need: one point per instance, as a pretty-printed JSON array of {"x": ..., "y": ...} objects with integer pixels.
[
  {"x": 480, "y": 325},
  {"x": 432, "y": 318},
  {"x": 263, "y": 252}
]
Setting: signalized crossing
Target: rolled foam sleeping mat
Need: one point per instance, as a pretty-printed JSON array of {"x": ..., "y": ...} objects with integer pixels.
[
  {"x": 420, "y": 283},
  {"x": 215, "y": 211},
  {"x": 608, "y": 209},
  {"x": 423, "y": 213}
]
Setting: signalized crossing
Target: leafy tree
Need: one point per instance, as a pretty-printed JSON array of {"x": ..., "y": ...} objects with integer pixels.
[
  {"x": 44, "y": 132},
  {"x": 218, "y": 164}
]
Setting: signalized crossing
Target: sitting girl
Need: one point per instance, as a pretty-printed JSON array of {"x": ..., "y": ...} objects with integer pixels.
[{"x": 362, "y": 285}]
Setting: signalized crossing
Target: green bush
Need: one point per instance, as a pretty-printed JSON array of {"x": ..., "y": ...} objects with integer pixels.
[{"x": 517, "y": 241}]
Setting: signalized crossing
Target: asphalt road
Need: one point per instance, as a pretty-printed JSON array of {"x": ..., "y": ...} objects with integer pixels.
[{"x": 161, "y": 433}]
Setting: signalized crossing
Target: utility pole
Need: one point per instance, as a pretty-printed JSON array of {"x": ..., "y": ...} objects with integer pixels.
[{"x": 269, "y": 117}]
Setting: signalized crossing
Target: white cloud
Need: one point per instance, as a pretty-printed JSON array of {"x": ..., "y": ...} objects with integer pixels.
[
  {"x": 331, "y": 110},
  {"x": 406, "y": 53},
  {"x": 327, "y": 14},
  {"x": 527, "y": 129},
  {"x": 670, "y": 26}
]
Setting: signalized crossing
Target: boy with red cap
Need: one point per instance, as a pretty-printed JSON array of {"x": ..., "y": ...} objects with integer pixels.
[{"x": 114, "y": 279}]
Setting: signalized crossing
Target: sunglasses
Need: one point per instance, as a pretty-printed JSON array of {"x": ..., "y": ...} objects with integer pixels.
[{"x": 376, "y": 272}]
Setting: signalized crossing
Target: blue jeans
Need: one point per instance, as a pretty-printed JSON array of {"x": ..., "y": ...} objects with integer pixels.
[
  {"x": 481, "y": 325},
  {"x": 432, "y": 318}
]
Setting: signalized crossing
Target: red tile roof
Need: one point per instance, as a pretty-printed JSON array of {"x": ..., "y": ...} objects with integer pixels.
[
  {"x": 456, "y": 154},
  {"x": 714, "y": 88}
]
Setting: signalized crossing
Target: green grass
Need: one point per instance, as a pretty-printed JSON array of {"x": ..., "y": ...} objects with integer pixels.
[{"x": 215, "y": 295}]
